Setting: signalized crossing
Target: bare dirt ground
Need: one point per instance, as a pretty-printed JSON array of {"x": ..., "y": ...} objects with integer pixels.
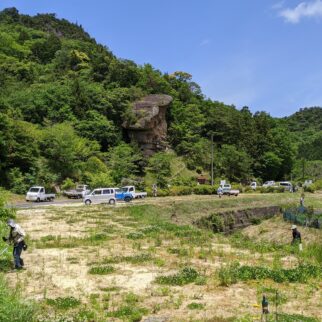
[{"x": 66, "y": 242}]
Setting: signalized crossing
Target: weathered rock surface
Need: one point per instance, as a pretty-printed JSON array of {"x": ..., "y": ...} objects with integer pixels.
[{"x": 149, "y": 127}]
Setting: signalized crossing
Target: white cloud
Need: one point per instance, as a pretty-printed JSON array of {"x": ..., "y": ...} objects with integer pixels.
[{"x": 304, "y": 9}]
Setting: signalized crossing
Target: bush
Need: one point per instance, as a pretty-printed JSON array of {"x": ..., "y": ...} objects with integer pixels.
[
  {"x": 249, "y": 189},
  {"x": 271, "y": 189},
  {"x": 5, "y": 213},
  {"x": 180, "y": 191},
  {"x": 317, "y": 185},
  {"x": 310, "y": 189},
  {"x": 163, "y": 193},
  {"x": 67, "y": 184},
  {"x": 214, "y": 222},
  {"x": 204, "y": 190}
]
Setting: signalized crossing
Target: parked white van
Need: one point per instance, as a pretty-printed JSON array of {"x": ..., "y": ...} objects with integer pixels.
[
  {"x": 101, "y": 195},
  {"x": 286, "y": 185},
  {"x": 269, "y": 184}
]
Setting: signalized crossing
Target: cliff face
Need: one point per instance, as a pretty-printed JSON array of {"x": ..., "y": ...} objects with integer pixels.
[{"x": 149, "y": 129}]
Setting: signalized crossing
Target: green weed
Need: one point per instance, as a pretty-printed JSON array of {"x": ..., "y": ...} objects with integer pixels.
[
  {"x": 233, "y": 273},
  {"x": 101, "y": 270},
  {"x": 195, "y": 306},
  {"x": 186, "y": 276},
  {"x": 64, "y": 303}
]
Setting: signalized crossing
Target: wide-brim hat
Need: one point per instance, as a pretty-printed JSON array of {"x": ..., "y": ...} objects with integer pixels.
[{"x": 293, "y": 227}]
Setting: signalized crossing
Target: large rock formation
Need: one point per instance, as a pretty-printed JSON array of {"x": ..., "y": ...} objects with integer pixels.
[{"x": 149, "y": 126}]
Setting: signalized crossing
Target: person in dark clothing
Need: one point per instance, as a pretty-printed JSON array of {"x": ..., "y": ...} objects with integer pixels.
[
  {"x": 264, "y": 307},
  {"x": 296, "y": 235}
]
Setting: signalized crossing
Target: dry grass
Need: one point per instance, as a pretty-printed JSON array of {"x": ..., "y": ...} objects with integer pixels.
[{"x": 55, "y": 270}]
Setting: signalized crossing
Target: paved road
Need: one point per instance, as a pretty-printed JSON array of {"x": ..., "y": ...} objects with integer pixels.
[{"x": 22, "y": 205}]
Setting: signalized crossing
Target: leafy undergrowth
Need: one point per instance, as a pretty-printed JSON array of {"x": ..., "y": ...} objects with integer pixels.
[{"x": 235, "y": 272}]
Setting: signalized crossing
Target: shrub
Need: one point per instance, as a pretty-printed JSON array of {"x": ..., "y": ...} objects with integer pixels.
[
  {"x": 180, "y": 191},
  {"x": 163, "y": 193},
  {"x": 67, "y": 184},
  {"x": 5, "y": 213},
  {"x": 204, "y": 190},
  {"x": 249, "y": 189},
  {"x": 317, "y": 185},
  {"x": 310, "y": 189},
  {"x": 214, "y": 222}
]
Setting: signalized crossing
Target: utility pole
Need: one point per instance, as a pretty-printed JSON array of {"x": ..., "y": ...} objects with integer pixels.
[
  {"x": 212, "y": 159},
  {"x": 276, "y": 300}
]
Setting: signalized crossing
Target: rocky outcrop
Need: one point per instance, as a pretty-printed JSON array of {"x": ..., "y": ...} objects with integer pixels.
[{"x": 149, "y": 126}]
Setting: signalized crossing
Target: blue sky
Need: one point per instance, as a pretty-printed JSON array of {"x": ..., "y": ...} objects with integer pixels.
[{"x": 265, "y": 54}]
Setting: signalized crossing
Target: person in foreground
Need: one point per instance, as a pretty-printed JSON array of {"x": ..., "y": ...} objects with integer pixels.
[
  {"x": 16, "y": 237},
  {"x": 297, "y": 240}
]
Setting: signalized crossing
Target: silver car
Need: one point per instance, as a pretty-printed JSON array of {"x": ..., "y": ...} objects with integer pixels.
[{"x": 101, "y": 195}]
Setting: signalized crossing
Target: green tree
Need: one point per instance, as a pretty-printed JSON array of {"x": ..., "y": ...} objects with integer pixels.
[
  {"x": 235, "y": 164},
  {"x": 124, "y": 162},
  {"x": 65, "y": 151},
  {"x": 159, "y": 166}
]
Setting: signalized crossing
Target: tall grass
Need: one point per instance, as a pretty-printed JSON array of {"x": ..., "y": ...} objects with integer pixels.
[{"x": 12, "y": 307}]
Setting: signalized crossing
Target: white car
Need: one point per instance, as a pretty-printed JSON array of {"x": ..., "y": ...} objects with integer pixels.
[
  {"x": 253, "y": 185},
  {"x": 286, "y": 185},
  {"x": 269, "y": 184},
  {"x": 101, "y": 195}
]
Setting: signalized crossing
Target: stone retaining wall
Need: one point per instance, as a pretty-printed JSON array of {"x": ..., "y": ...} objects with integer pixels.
[{"x": 229, "y": 221}]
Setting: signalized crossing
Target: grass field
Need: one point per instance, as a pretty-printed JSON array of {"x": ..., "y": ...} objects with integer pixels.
[{"x": 126, "y": 263}]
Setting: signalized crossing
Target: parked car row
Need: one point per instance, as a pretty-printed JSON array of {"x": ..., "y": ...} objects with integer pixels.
[
  {"x": 285, "y": 184},
  {"x": 97, "y": 196}
]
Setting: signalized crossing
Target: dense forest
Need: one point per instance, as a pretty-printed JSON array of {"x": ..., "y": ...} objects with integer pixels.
[{"x": 64, "y": 97}]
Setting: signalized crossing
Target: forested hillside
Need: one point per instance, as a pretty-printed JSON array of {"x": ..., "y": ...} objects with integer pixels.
[{"x": 64, "y": 97}]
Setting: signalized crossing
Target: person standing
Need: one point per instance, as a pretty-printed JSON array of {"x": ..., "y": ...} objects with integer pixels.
[
  {"x": 16, "y": 237},
  {"x": 265, "y": 310},
  {"x": 154, "y": 190},
  {"x": 297, "y": 239},
  {"x": 302, "y": 200},
  {"x": 219, "y": 191}
]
